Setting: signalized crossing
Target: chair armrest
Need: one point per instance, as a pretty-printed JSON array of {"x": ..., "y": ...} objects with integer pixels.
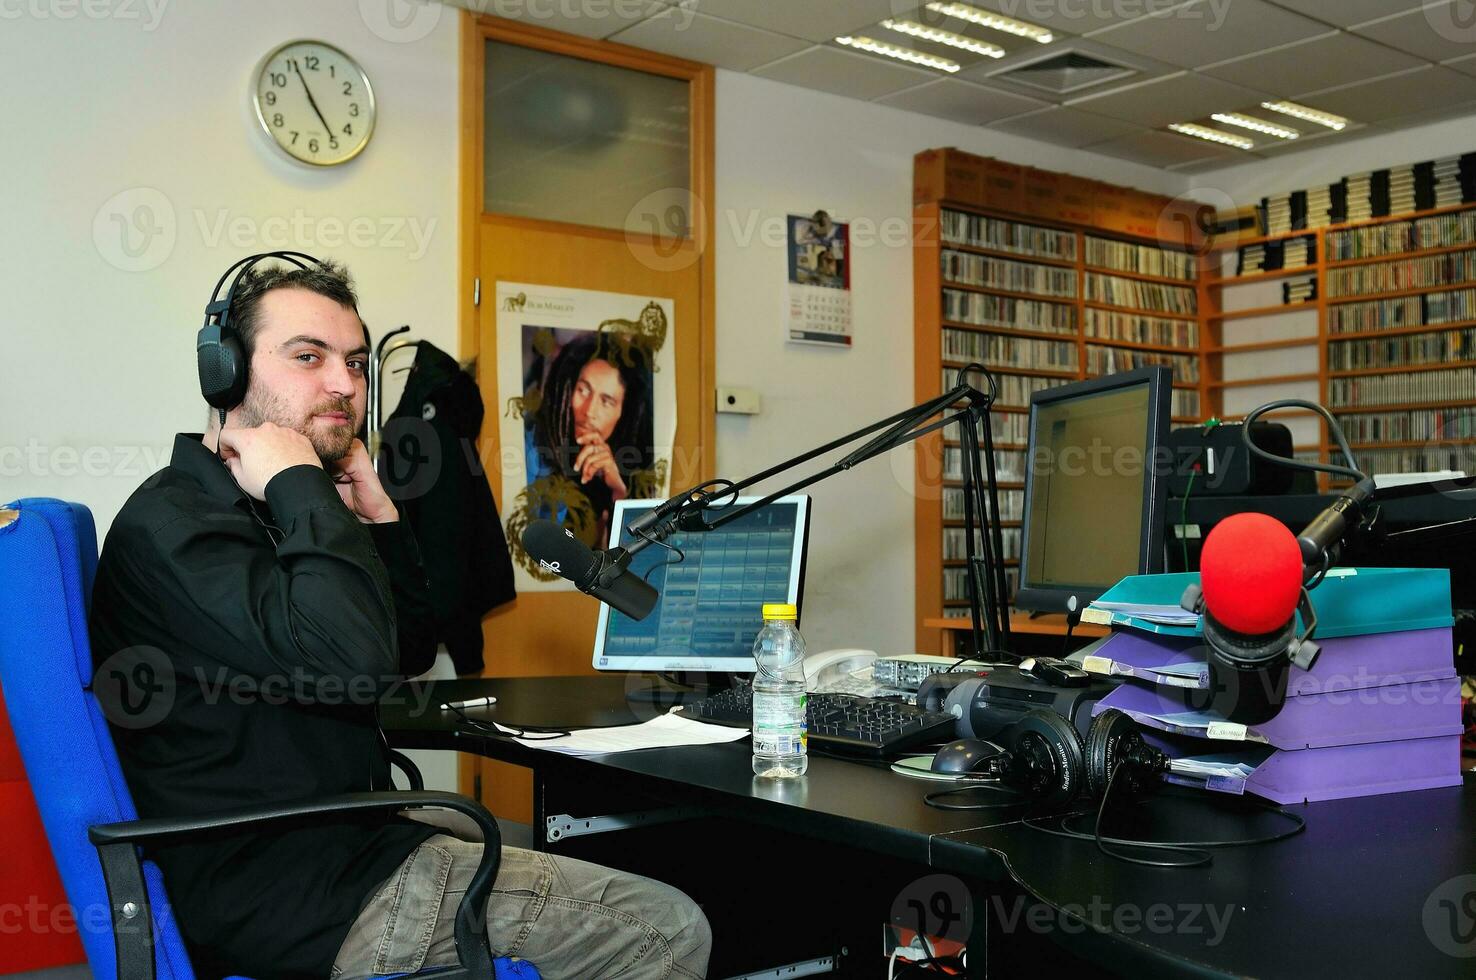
[
  {"x": 117, "y": 844},
  {"x": 402, "y": 762}
]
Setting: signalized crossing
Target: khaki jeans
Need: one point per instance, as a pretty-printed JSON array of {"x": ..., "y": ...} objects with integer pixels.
[{"x": 572, "y": 919}]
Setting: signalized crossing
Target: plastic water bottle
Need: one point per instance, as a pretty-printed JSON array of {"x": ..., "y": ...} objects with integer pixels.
[{"x": 779, "y": 748}]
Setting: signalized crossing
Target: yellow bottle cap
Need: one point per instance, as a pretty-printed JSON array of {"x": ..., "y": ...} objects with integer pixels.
[{"x": 779, "y": 610}]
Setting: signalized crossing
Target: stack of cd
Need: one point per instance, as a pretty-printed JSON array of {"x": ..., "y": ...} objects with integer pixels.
[
  {"x": 1297, "y": 252},
  {"x": 1401, "y": 190},
  {"x": 1358, "y": 207},
  {"x": 1448, "y": 182},
  {"x": 1278, "y": 214},
  {"x": 1252, "y": 259},
  {"x": 1299, "y": 290},
  {"x": 1319, "y": 204}
]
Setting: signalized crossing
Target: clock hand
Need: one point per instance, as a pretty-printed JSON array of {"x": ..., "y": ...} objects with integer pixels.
[{"x": 327, "y": 130}]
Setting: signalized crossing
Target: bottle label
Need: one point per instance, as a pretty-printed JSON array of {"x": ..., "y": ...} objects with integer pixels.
[{"x": 778, "y": 723}]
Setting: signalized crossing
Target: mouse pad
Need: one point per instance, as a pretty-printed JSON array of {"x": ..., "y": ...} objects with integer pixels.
[{"x": 921, "y": 767}]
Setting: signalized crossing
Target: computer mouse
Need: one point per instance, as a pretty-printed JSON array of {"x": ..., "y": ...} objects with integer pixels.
[
  {"x": 967, "y": 755},
  {"x": 1060, "y": 673}
]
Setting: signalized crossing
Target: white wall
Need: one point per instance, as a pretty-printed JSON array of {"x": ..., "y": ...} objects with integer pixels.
[
  {"x": 134, "y": 116},
  {"x": 1247, "y": 183},
  {"x": 783, "y": 150},
  {"x": 97, "y": 364},
  {"x": 140, "y": 121}
]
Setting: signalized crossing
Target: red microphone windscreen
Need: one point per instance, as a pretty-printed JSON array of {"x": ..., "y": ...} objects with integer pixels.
[{"x": 1250, "y": 572}]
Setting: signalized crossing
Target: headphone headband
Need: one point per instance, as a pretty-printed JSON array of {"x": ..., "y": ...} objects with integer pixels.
[{"x": 220, "y": 357}]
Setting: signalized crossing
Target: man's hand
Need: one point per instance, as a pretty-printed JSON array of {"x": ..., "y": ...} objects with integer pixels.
[
  {"x": 595, "y": 459},
  {"x": 256, "y": 455},
  {"x": 359, "y": 486}
]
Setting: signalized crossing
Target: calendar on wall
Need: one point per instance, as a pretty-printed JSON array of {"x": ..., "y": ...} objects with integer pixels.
[{"x": 819, "y": 281}]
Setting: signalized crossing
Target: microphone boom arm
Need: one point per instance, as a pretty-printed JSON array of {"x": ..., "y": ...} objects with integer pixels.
[{"x": 987, "y": 600}]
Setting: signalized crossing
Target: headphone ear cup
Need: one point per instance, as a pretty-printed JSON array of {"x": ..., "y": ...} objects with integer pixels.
[
  {"x": 1113, "y": 734},
  {"x": 221, "y": 364},
  {"x": 1048, "y": 759}
]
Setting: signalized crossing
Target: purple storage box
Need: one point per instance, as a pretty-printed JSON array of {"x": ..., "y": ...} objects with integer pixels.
[
  {"x": 1346, "y": 663},
  {"x": 1424, "y": 709},
  {"x": 1341, "y": 771}
]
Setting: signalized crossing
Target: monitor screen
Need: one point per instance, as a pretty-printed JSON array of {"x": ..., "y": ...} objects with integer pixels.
[
  {"x": 1094, "y": 494},
  {"x": 711, "y": 604}
]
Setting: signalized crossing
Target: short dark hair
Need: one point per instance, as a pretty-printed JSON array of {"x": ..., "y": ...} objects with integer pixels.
[{"x": 328, "y": 279}]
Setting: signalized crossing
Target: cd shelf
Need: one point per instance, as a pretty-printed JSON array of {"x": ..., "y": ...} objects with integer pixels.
[
  {"x": 1395, "y": 301},
  {"x": 1056, "y": 278}
]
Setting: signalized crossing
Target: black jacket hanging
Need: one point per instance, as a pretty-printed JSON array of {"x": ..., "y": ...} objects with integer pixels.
[{"x": 431, "y": 468}]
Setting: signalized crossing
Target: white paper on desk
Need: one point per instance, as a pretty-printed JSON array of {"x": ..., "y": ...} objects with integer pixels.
[
  {"x": 662, "y": 732},
  {"x": 1163, "y": 615}
]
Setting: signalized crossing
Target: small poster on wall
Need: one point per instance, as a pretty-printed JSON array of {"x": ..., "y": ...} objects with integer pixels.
[
  {"x": 589, "y": 383},
  {"x": 819, "y": 281}
]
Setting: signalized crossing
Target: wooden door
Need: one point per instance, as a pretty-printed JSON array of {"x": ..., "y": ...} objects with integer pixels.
[{"x": 552, "y": 633}]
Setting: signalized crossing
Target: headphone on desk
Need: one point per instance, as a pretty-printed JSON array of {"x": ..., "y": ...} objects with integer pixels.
[
  {"x": 220, "y": 356},
  {"x": 1043, "y": 759}
]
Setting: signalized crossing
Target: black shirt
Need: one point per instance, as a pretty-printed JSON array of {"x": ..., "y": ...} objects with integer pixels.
[{"x": 273, "y": 647}]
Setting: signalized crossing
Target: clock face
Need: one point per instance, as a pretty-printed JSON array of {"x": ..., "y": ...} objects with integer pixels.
[{"x": 315, "y": 102}]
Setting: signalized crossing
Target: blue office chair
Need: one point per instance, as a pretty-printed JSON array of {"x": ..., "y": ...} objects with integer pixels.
[{"x": 48, "y": 560}]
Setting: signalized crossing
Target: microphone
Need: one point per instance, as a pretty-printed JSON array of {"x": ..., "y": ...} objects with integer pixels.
[
  {"x": 602, "y": 574},
  {"x": 1251, "y": 574}
]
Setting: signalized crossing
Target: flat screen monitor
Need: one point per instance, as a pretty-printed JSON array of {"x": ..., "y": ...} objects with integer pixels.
[
  {"x": 1096, "y": 482},
  {"x": 711, "y": 602}
]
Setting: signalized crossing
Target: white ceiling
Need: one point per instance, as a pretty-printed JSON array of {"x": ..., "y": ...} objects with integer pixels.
[{"x": 1386, "y": 64}]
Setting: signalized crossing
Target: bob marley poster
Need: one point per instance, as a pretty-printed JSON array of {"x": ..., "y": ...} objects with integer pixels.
[{"x": 589, "y": 386}]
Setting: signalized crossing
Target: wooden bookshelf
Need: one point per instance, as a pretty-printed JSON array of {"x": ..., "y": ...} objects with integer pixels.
[
  {"x": 1052, "y": 221},
  {"x": 1327, "y": 342}
]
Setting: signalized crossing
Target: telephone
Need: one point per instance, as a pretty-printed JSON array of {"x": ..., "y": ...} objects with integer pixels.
[{"x": 839, "y": 670}]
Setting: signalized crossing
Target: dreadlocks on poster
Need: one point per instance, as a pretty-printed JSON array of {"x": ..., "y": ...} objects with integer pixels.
[{"x": 589, "y": 380}]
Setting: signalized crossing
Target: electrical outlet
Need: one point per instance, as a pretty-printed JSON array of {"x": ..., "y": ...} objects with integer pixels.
[{"x": 739, "y": 401}]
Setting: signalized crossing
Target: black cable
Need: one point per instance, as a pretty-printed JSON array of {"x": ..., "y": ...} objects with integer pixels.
[
  {"x": 513, "y": 731},
  {"x": 1184, "y": 517},
  {"x": 934, "y": 799},
  {"x": 1336, "y": 430},
  {"x": 681, "y": 555},
  {"x": 1200, "y": 847}
]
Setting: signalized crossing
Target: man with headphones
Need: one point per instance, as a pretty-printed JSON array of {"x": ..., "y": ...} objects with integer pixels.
[{"x": 266, "y": 581}]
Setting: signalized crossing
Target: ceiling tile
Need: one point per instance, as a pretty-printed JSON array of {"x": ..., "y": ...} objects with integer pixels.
[
  {"x": 813, "y": 20},
  {"x": 1434, "y": 32},
  {"x": 1201, "y": 32},
  {"x": 1390, "y": 99},
  {"x": 843, "y": 73},
  {"x": 1420, "y": 117},
  {"x": 1066, "y": 127},
  {"x": 1159, "y": 149},
  {"x": 592, "y": 20},
  {"x": 1466, "y": 64},
  {"x": 962, "y": 101},
  {"x": 1173, "y": 98},
  {"x": 686, "y": 34},
  {"x": 1344, "y": 13},
  {"x": 1321, "y": 63}
]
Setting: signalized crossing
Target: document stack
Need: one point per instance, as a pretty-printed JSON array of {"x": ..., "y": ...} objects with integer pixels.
[{"x": 1379, "y": 712}]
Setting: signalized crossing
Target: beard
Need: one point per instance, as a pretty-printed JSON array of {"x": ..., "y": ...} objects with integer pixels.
[{"x": 331, "y": 443}]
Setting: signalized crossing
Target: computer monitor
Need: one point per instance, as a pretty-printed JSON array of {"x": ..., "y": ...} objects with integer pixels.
[
  {"x": 711, "y": 604},
  {"x": 1096, "y": 481}
]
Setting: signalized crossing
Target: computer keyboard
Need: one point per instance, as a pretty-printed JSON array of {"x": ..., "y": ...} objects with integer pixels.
[{"x": 839, "y": 722}]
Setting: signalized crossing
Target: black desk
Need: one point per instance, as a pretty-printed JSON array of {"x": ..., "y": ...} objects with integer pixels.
[{"x": 1350, "y": 897}]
